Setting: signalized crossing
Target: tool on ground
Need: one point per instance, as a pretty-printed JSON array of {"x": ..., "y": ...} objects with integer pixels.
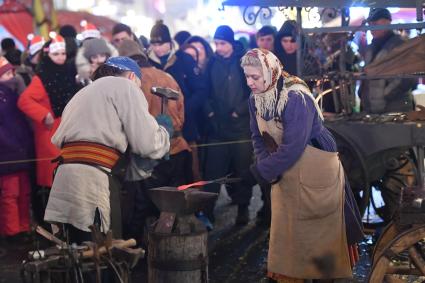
[
  {"x": 223, "y": 180},
  {"x": 49, "y": 236},
  {"x": 165, "y": 93},
  {"x": 62, "y": 261}
]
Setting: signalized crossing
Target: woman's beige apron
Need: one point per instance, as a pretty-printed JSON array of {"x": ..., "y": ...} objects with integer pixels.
[{"x": 307, "y": 234}]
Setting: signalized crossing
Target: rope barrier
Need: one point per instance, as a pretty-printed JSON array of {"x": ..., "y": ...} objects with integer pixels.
[{"x": 192, "y": 146}]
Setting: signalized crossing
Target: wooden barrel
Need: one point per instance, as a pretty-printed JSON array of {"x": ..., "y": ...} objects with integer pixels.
[{"x": 179, "y": 258}]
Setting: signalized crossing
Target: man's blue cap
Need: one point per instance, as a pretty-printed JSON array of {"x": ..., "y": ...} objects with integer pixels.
[{"x": 125, "y": 64}]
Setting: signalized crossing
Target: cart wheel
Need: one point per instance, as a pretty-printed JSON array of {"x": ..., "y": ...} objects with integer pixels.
[
  {"x": 355, "y": 168},
  {"x": 388, "y": 234},
  {"x": 402, "y": 173},
  {"x": 404, "y": 255}
]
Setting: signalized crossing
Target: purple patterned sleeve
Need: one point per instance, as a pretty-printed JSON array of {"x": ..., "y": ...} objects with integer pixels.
[{"x": 298, "y": 118}]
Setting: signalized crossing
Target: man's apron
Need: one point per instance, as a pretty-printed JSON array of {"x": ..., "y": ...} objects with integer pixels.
[{"x": 307, "y": 234}]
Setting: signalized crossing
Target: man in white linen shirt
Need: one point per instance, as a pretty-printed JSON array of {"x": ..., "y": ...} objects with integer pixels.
[{"x": 100, "y": 123}]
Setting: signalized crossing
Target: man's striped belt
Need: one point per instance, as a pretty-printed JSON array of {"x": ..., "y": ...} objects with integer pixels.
[{"x": 89, "y": 153}]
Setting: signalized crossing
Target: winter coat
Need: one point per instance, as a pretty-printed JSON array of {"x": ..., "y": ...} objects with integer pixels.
[
  {"x": 184, "y": 70},
  {"x": 15, "y": 134},
  {"x": 35, "y": 103},
  {"x": 228, "y": 93},
  {"x": 155, "y": 77},
  {"x": 386, "y": 95}
]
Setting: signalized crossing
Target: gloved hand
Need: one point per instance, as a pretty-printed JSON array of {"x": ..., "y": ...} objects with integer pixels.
[{"x": 165, "y": 121}]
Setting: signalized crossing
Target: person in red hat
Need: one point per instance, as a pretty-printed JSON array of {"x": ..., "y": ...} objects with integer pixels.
[
  {"x": 43, "y": 102},
  {"x": 94, "y": 51},
  {"x": 31, "y": 58},
  {"x": 15, "y": 145}
]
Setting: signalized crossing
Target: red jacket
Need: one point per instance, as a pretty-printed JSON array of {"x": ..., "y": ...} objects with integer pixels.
[{"x": 35, "y": 103}]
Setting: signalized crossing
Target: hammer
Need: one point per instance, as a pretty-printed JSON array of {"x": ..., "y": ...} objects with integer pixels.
[{"x": 165, "y": 93}]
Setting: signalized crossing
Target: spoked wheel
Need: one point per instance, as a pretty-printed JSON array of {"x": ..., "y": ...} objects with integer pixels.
[
  {"x": 401, "y": 172},
  {"x": 387, "y": 235},
  {"x": 355, "y": 168},
  {"x": 403, "y": 255}
]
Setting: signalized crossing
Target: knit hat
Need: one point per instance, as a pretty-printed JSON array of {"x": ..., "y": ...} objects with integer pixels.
[
  {"x": 95, "y": 46},
  {"x": 4, "y": 65},
  {"x": 89, "y": 30},
  {"x": 225, "y": 33},
  {"x": 35, "y": 43},
  {"x": 288, "y": 29},
  {"x": 120, "y": 28},
  {"x": 124, "y": 64},
  {"x": 160, "y": 33},
  {"x": 378, "y": 13},
  {"x": 129, "y": 48},
  {"x": 57, "y": 43}
]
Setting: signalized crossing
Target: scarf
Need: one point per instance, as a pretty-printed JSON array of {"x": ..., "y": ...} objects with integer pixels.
[
  {"x": 59, "y": 82},
  {"x": 272, "y": 101},
  {"x": 166, "y": 60}
]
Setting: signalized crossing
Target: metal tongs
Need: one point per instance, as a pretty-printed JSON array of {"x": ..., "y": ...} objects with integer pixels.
[{"x": 223, "y": 180}]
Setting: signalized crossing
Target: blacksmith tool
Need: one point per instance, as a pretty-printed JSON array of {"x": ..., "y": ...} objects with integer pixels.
[
  {"x": 49, "y": 236},
  {"x": 223, "y": 180},
  {"x": 165, "y": 93},
  {"x": 177, "y": 204}
]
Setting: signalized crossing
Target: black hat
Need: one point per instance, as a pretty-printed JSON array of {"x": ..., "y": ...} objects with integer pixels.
[
  {"x": 160, "y": 33},
  {"x": 225, "y": 33},
  {"x": 120, "y": 28},
  {"x": 68, "y": 31},
  {"x": 289, "y": 28},
  {"x": 181, "y": 36},
  {"x": 378, "y": 13},
  {"x": 266, "y": 30},
  {"x": 7, "y": 44}
]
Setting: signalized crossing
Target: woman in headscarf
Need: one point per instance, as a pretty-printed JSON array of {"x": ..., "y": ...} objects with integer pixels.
[
  {"x": 298, "y": 156},
  {"x": 43, "y": 102}
]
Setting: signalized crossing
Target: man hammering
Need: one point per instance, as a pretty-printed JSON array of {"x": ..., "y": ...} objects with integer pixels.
[{"x": 102, "y": 122}]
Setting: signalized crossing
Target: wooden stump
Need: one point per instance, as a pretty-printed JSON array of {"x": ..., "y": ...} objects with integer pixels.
[{"x": 179, "y": 258}]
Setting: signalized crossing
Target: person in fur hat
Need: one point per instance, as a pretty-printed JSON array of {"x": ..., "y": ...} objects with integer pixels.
[{"x": 93, "y": 51}]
